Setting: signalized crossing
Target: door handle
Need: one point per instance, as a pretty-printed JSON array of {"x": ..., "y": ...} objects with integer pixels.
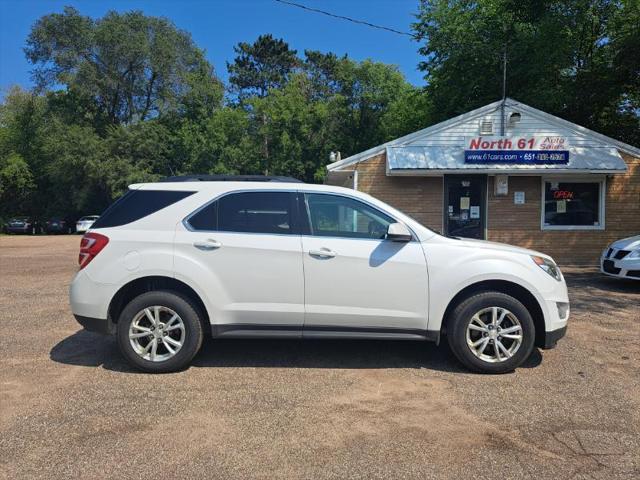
[
  {"x": 322, "y": 253},
  {"x": 207, "y": 245}
]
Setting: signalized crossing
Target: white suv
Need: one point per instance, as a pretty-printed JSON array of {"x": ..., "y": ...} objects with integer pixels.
[{"x": 271, "y": 257}]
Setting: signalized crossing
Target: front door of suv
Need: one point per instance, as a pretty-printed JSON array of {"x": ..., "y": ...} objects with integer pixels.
[
  {"x": 246, "y": 251},
  {"x": 355, "y": 280}
]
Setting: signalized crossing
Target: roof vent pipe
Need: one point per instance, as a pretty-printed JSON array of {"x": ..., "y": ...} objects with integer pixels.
[{"x": 504, "y": 87}]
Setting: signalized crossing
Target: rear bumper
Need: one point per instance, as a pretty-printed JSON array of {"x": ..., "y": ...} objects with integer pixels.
[
  {"x": 99, "y": 325},
  {"x": 551, "y": 338},
  {"x": 89, "y": 299},
  {"x": 18, "y": 229}
]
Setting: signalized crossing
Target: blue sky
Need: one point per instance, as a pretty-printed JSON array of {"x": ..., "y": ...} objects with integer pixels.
[{"x": 217, "y": 25}]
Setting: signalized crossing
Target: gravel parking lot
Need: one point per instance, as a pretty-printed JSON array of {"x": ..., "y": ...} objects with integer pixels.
[{"x": 71, "y": 407}]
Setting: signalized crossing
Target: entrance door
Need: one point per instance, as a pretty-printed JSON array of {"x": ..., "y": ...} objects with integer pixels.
[{"x": 465, "y": 203}]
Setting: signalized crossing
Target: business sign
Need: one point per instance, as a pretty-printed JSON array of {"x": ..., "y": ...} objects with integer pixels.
[{"x": 517, "y": 150}]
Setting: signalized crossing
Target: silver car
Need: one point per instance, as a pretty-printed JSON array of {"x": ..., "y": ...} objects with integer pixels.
[
  {"x": 85, "y": 223},
  {"x": 622, "y": 258}
]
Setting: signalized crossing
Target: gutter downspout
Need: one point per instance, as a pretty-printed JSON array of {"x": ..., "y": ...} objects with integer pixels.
[{"x": 504, "y": 90}]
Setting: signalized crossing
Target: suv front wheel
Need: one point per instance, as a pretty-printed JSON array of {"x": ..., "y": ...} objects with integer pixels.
[
  {"x": 159, "y": 331},
  {"x": 491, "y": 332}
]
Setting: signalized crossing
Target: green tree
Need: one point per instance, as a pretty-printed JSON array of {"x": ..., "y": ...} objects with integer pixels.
[
  {"x": 573, "y": 58},
  {"x": 74, "y": 160},
  {"x": 16, "y": 183},
  {"x": 369, "y": 102},
  {"x": 22, "y": 118},
  {"x": 133, "y": 66},
  {"x": 297, "y": 128},
  {"x": 258, "y": 68},
  {"x": 140, "y": 102},
  {"x": 22, "y": 115},
  {"x": 226, "y": 143}
]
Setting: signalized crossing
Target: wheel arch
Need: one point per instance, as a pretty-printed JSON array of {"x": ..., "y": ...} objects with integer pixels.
[
  {"x": 150, "y": 283},
  {"x": 513, "y": 289}
]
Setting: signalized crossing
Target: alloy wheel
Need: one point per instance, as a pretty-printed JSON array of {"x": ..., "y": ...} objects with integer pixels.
[
  {"x": 494, "y": 334},
  {"x": 157, "y": 333}
]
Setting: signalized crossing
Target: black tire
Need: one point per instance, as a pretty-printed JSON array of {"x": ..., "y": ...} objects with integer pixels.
[
  {"x": 191, "y": 319},
  {"x": 461, "y": 317}
]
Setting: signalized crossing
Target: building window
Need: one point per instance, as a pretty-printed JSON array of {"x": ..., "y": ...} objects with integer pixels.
[{"x": 573, "y": 205}]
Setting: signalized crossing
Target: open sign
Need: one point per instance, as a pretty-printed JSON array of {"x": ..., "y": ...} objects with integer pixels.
[{"x": 563, "y": 195}]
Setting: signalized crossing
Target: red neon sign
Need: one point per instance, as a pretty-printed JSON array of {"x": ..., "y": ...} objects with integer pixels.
[{"x": 563, "y": 195}]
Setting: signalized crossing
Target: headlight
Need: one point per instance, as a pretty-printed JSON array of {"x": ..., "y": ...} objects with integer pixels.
[
  {"x": 634, "y": 254},
  {"x": 548, "y": 266}
]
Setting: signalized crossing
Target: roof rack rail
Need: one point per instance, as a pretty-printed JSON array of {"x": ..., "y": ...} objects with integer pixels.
[{"x": 231, "y": 178}]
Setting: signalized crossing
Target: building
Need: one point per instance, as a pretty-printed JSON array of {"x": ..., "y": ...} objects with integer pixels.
[{"x": 509, "y": 173}]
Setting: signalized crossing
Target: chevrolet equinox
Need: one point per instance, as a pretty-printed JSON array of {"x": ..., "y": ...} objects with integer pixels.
[{"x": 172, "y": 262}]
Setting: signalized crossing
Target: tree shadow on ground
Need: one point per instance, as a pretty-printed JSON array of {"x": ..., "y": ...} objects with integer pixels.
[
  {"x": 93, "y": 350},
  {"x": 591, "y": 292},
  {"x": 598, "y": 281}
]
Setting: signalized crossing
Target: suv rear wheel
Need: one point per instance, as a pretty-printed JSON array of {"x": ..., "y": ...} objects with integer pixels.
[
  {"x": 491, "y": 332},
  {"x": 159, "y": 331}
]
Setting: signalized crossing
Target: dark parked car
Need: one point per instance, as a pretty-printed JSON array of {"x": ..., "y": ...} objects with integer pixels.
[
  {"x": 59, "y": 225},
  {"x": 26, "y": 225}
]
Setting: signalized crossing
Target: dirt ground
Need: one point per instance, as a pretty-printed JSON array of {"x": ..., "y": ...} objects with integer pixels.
[{"x": 71, "y": 408}]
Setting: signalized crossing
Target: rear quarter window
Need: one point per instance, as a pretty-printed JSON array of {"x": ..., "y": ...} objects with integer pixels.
[{"x": 137, "y": 204}]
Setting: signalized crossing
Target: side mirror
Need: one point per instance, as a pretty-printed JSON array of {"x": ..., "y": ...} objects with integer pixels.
[{"x": 398, "y": 232}]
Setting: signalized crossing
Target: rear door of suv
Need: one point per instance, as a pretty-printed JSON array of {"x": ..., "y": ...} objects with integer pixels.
[{"x": 244, "y": 250}]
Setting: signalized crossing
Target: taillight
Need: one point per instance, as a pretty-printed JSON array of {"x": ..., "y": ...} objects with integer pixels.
[{"x": 90, "y": 246}]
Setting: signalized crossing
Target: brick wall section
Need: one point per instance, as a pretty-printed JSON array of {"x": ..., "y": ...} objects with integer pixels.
[
  {"x": 520, "y": 224},
  {"x": 421, "y": 197}
]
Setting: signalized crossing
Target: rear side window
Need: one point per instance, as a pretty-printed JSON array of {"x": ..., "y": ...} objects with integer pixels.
[
  {"x": 250, "y": 212},
  {"x": 137, "y": 204}
]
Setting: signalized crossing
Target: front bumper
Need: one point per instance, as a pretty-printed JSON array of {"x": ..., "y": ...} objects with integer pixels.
[
  {"x": 551, "y": 338},
  {"x": 556, "y": 310},
  {"x": 99, "y": 325},
  {"x": 621, "y": 268}
]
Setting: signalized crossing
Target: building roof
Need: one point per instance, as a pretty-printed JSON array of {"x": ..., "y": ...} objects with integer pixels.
[{"x": 440, "y": 146}]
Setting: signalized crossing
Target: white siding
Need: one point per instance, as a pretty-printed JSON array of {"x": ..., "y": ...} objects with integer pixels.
[
  {"x": 529, "y": 125},
  {"x": 456, "y": 131}
]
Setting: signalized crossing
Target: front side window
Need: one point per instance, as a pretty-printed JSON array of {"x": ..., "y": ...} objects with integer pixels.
[
  {"x": 336, "y": 216},
  {"x": 572, "y": 204},
  {"x": 250, "y": 212}
]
